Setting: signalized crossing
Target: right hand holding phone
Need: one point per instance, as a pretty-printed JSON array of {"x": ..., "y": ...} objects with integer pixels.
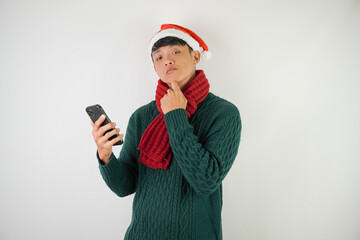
[{"x": 102, "y": 141}]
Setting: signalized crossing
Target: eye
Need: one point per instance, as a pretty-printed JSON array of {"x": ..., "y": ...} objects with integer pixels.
[
  {"x": 176, "y": 52},
  {"x": 157, "y": 59}
]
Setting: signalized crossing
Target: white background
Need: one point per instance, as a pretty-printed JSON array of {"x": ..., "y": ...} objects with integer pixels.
[{"x": 291, "y": 67}]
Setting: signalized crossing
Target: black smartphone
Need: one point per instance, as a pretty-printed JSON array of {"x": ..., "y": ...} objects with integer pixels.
[{"x": 94, "y": 112}]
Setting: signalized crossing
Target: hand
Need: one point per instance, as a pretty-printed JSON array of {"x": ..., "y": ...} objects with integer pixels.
[
  {"x": 102, "y": 141},
  {"x": 174, "y": 99}
]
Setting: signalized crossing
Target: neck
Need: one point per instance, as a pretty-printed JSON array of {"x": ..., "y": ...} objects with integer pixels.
[{"x": 189, "y": 81}]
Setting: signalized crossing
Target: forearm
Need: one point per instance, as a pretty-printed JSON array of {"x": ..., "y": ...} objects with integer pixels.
[
  {"x": 204, "y": 165},
  {"x": 119, "y": 176}
]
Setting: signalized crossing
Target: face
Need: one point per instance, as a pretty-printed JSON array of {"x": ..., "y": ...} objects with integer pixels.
[{"x": 175, "y": 63}]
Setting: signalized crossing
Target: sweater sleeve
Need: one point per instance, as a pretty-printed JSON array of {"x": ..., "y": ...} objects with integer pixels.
[
  {"x": 204, "y": 164},
  {"x": 121, "y": 175}
]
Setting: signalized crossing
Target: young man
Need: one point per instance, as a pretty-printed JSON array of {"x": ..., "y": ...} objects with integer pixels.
[{"x": 178, "y": 148}]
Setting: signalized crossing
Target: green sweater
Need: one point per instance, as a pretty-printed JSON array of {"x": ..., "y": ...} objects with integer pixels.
[{"x": 184, "y": 201}]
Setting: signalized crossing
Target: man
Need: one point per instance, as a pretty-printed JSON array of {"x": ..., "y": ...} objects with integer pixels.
[{"x": 178, "y": 148}]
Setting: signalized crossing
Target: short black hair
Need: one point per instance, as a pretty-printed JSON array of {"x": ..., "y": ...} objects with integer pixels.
[{"x": 166, "y": 41}]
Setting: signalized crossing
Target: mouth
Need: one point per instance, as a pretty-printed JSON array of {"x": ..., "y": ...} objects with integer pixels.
[{"x": 170, "y": 70}]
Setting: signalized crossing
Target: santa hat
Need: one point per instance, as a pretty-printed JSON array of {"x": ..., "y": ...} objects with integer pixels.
[{"x": 193, "y": 40}]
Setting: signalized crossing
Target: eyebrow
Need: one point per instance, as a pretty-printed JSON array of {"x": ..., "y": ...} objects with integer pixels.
[{"x": 158, "y": 50}]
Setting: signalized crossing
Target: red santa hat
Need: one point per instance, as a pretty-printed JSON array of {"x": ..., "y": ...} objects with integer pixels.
[{"x": 193, "y": 40}]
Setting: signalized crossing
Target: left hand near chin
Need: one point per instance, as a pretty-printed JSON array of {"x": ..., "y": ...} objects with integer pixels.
[{"x": 174, "y": 99}]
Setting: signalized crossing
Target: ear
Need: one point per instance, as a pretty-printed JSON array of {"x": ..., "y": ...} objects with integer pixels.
[{"x": 196, "y": 57}]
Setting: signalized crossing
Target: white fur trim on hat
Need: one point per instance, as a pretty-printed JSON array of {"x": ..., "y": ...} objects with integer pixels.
[{"x": 205, "y": 55}]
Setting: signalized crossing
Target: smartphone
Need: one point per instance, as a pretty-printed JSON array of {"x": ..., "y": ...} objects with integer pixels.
[{"x": 94, "y": 112}]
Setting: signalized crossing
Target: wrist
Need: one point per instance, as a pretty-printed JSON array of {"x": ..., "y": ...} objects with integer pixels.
[{"x": 104, "y": 159}]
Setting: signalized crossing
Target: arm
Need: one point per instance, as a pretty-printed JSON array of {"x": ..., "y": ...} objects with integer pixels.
[
  {"x": 121, "y": 174},
  {"x": 204, "y": 164}
]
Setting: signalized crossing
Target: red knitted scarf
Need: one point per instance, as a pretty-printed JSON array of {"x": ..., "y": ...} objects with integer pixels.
[{"x": 154, "y": 144}]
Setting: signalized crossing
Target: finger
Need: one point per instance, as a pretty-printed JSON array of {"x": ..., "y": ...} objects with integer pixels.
[
  {"x": 92, "y": 123},
  {"x": 164, "y": 100},
  {"x": 175, "y": 86},
  {"x": 115, "y": 140},
  {"x": 164, "y": 97},
  {"x": 99, "y": 121},
  {"x": 105, "y": 128},
  {"x": 104, "y": 139},
  {"x": 112, "y": 133}
]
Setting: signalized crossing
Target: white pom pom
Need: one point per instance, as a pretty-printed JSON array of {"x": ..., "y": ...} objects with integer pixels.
[{"x": 206, "y": 55}]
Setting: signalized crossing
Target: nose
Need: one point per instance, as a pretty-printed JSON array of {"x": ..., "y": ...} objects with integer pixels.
[{"x": 169, "y": 61}]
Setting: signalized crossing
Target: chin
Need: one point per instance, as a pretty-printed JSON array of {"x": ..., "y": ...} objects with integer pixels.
[{"x": 171, "y": 79}]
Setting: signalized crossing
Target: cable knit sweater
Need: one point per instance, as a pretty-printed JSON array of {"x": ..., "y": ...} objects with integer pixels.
[{"x": 184, "y": 201}]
